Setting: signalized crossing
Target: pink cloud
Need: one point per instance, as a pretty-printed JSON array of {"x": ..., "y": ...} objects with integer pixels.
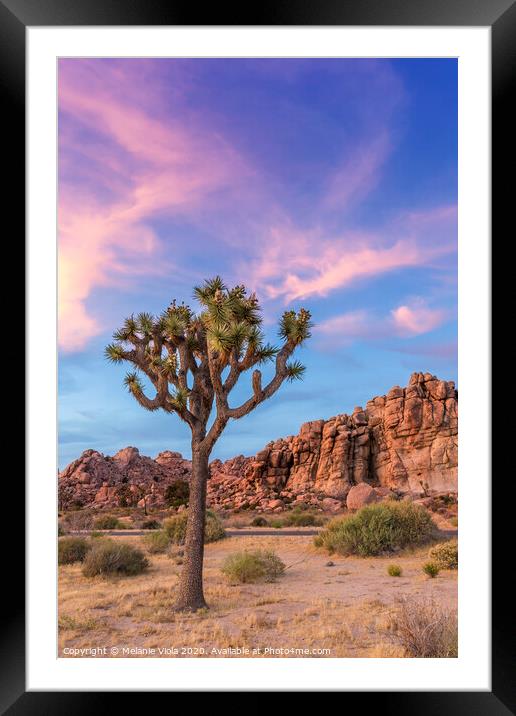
[
  {"x": 418, "y": 318},
  {"x": 145, "y": 167},
  {"x": 127, "y": 159},
  {"x": 405, "y": 321},
  {"x": 345, "y": 328},
  {"x": 359, "y": 173},
  {"x": 295, "y": 264}
]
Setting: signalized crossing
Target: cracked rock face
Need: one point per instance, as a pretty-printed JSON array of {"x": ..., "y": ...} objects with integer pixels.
[{"x": 405, "y": 441}]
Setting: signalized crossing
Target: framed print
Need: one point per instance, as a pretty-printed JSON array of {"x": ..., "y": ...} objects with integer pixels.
[{"x": 258, "y": 279}]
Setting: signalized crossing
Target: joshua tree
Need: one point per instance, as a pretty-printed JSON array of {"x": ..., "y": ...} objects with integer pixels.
[{"x": 193, "y": 361}]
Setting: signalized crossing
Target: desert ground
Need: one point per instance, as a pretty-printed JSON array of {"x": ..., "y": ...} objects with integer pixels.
[{"x": 322, "y": 606}]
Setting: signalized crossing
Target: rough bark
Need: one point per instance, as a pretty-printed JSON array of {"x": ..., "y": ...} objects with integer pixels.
[{"x": 190, "y": 591}]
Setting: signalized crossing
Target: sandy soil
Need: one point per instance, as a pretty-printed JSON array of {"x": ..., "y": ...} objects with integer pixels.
[{"x": 342, "y": 610}]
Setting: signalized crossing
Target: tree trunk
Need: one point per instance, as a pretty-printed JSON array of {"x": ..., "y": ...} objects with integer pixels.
[{"x": 191, "y": 596}]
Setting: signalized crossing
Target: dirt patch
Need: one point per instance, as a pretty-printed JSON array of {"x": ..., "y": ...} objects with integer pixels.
[{"x": 342, "y": 610}]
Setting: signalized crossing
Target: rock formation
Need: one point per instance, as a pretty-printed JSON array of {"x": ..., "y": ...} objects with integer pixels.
[
  {"x": 405, "y": 441},
  {"x": 127, "y": 478}
]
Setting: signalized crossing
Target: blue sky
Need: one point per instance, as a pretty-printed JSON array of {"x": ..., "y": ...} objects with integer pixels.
[{"x": 329, "y": 184}]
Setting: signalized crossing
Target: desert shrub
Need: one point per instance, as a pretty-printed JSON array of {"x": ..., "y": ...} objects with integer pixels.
[
  {"x": 259, "y": 522},
  {"x": 151, "y": 525},
  {"x": 445, "y": 555},
  {"x": 277, "y": 523},
  {"x": 377, "y": 528},
  {"x": 60, "y": 530},
  {"x": 107, "y": 522},
  {"x": 298, "y": 518},
  {"x": 301, "y": 506},
  {"x": 258, "y": 566},
  {"x": 425, "y": 630},
  {"x": 214, "y": 529},
  {"x": 394, "y": 570},
  {"x": 71, "y": 549},
  {"x": 79, "y": 520},
  {"x": 454, "y": 521},
  {"x": 107, "y": 557},
  {"x": 177, "y": 494},
  {"x": 156, "y": 542},
  {"x": 175, "y": 527},
  {"x": 431, "y": 569}
]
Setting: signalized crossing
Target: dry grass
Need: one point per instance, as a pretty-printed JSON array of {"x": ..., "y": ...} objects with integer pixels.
[
  {"x": 346, "y": 608},
  {"x": 424, "y": 629}
]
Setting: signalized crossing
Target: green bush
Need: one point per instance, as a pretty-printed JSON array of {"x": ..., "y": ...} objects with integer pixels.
[
  {"x": 177, "y": 494},
  {"x": 377, "y": 528},
  {"x": 259, "y": 522},
  {"x": 258, "y": 566},
  {"x": 156, "y": 542},
  {"x": 394, "y": 570},
  {"x": 175, "y": 527},
  {"x": 431, "y": 569},
  {"x": 277, "y": 524},
  {"x": 71, "y": 549},
  {"x": 445, "y": 555},
  {"x": 107, "y": 557},
  {"x": 151, "y": 525},
  {"x": 107, "y": 522},
  {"x": 298, "y": 518}
]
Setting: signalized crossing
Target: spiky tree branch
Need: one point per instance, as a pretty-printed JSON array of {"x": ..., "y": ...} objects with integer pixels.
[{"x": 193, "y": 361}]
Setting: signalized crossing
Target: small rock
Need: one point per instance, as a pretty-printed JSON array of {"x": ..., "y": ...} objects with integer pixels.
[{"x": 330, "y": 564}]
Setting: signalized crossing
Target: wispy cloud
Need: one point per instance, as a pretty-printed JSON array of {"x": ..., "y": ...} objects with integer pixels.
[
  {"x": 295, "y": 265},
  {"x": 140, "y": 168},
  {"x": 359, "y": 172},
  {"x": 413, "y": 319},
  {"x": 134, "y": 152}
]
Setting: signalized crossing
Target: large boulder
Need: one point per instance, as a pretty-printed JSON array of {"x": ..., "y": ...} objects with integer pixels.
[{"x": 361, "y": 495}]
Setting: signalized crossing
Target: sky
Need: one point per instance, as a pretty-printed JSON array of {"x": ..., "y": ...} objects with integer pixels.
[{"x": 327, "y": 184}]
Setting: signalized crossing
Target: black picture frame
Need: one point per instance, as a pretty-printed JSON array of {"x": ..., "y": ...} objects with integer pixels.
[{"x": 500, "y": 15}]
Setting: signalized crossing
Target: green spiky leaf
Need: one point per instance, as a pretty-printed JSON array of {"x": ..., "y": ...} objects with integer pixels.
[
  {"x": 295, "y": 327},
  {"x": 205, "y": 293},
  {"x": 295, "y": 370},
  {"x": 133, "y": 383},
  {"x": 121, "y": 335},
  {"x": 266, "y": 353},
  {"x": 130, "y": 327},
  {"x": 238, "y": 334},
  {"x": 179, "y": 400},
  {"x": 174, "y": 326},
  {"x": 145, "y": 323},
  {"x": 219, "y": 339},
  {"x": 114, "y": 353}
]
